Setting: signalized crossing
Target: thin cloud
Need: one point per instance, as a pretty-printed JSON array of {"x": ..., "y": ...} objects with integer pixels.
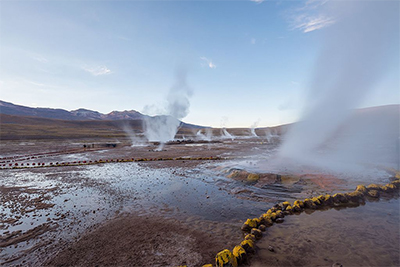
[
  {"x": 209, "y": 62},
  {"x": 257, "y": 1},
  {"x": 310, "y": 17},
  {"x": 97, "y": 70},
  {"x": 40, "y": 58},
  {"x": 253, "y": 40},
  {"x": 309, "y": 24}
]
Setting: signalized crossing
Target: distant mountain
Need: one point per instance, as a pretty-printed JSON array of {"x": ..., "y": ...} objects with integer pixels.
[{"x": 61, "y": 114}]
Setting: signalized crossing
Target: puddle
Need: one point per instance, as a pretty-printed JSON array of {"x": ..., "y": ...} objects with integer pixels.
[{"x": 362, "y": 236}]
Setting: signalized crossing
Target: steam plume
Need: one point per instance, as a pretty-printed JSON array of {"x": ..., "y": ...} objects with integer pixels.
[
  {"x": 164, "y": 128},
  {"x": 357, "y": 52}
]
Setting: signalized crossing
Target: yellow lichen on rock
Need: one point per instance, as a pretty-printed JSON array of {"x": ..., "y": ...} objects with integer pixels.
[
  {"x": 250, "y": 237},
  {"x": 355, "y": 196},
  {"x": 396, "y": 183},
  {"x": 248, "y": 245},
  {"x": 289, "y": 208},
  {"x": 389, "y": 187},
  {"x": 257, "y": 233},
  {"x": 361, "y": 188},
  {"x": 340, "y": 198},
  {"x": 316, "y": 201},
  {"x": 207, "y": 265},
  {"x": 253, "y": 177},
  {"x": 374, "y": 187},
  {"x": 250, "y": 223},
  {"x": 299, "y": 203},
  {"x": 373, "y": 193},
  {"x": 225, "y": 258},
  {"x": 240, "y": 254},
  {"x": 285, "y": 204},
  {"x": 308, "y": 203}
]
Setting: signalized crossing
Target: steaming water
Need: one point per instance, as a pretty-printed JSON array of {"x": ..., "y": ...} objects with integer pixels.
[{"x": 359, "y": 49}]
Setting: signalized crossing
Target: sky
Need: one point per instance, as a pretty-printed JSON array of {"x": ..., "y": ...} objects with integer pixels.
[{"x": 247, "y": 63}]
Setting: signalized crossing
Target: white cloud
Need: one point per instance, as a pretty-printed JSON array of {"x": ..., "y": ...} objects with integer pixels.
[
  {"x": 257, "y": 1},
  {"x": 210, "y": 64},
  {"x": 310, "y": 16},
  {"x": 309, "y": 24},
  {"x": 97, "y": 70}
]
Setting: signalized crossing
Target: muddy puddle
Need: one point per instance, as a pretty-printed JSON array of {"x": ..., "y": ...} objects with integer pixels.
[{"x": 367, "y": 235}]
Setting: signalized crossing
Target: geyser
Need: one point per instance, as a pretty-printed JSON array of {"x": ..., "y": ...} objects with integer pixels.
[
  {"x": 164, "y": 128},
  {"x": 359, "y": 49}
]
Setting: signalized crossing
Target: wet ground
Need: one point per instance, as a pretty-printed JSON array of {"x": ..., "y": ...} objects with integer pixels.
[{"x": 46, "y": 210}]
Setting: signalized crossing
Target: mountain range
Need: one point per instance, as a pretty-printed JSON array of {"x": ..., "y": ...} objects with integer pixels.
[{"x": 62, "y": 114}]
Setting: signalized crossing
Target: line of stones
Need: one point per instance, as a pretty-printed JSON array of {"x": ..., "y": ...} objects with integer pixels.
[
  {"x": 254, "y": 227},
  {"x": 101, "y": 161}
]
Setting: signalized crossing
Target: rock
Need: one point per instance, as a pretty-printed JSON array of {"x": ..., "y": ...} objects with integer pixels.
[
  {"x": 309, "y": 204},
  {"x": 373, "y": 193},
  {"x": 355, "y": 197},
  {"x": 285, "y": 205},
  {"x": 248, "y": 246},
  {"x": 299, "y": 203},
  {"x": 374, "y": 187},
  {"x": 337, "y": 265},
  {"x": 250, "y": 223},
  {"x": 225, "y": 258},
  {"x": 257, "y": 233},
  {"x": 250, "y": 237},
  {"x": 279, "y": 220},
  {"x": 271, "y": 248},
  {"x": 339, "y": 198},
  {"x": 362, "y": 189},
  {"x": 253, "y": 177},
  {"x": 240, "y": 254},
  {"x": 262, "y": 227}
]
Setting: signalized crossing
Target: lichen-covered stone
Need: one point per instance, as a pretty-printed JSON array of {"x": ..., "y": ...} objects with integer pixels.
[
  {"x": 257, "y": 233},
  {"x": 262, "y": 227},
  {"x": 339, "y": 198},
  {"x": 316, "y": 201},
  {"x": 253, "y": 177},
  {"x": 299, "y": 203},
  {"x": 240, "y": 254},
  {"x": 396, "y": 184},
  {"x": 374, "y": 187},
  {"x": 289, "y": 209},
  {"x": 225, "y": 258},
  {"x": 297, "y": 208},
  {"x": 285, "y": 205},
  {"x": 355, "y": 197},
  {"x": 389, "y": 188},
  {"x": 248, "y": 245},
  {"x": 250, "y": 237},
  {"x": 250, "y": 223},
  {"x": 279, "y": 214},
  {"x": 266, "y": 219},
  {"x": 361, "y": 188},
  {"x": 328, "y": 200},
  {"x": 373, "y": 193},
  {"x": 309, "y": 204}
]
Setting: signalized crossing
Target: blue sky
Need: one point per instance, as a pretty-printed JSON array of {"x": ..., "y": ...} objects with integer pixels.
[{"x": 246, "y": 61}]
